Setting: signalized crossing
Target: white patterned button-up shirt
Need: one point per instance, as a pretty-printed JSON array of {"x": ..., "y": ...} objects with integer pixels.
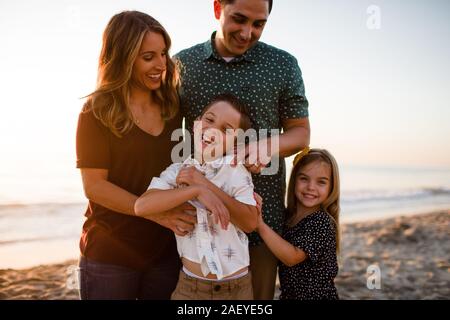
[{"x": 220, "y": 252}]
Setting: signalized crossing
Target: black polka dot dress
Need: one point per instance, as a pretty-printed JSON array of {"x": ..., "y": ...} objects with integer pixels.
[{"x": 312, "y": 279}]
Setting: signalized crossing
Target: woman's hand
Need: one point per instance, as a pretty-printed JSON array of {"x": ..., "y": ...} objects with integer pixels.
[
  {"x": 190, "y": 176},
  {"x": 177, "y": 219},
  {"x": 215, "y": 205}
]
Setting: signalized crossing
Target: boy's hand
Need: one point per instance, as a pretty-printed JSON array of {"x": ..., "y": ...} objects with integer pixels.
[
  {"x": 190, "y": 176},
  {"x": 215, "y": 205}
]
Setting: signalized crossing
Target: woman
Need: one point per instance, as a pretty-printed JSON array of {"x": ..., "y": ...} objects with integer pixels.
[{"x": 123, "y": 141}]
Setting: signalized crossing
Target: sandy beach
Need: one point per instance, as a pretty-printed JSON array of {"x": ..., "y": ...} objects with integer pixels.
[{"x": 412, "y": 254}]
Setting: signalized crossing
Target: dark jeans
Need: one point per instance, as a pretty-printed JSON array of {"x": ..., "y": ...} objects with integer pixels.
[{"x": 100, "y": 281}]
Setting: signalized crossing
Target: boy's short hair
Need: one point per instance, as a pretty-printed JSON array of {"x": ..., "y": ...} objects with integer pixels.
[{"x": 246, "y": 122}]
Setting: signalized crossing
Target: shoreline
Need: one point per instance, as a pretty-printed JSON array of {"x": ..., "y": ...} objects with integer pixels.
[{"x": 411, "y": 252}]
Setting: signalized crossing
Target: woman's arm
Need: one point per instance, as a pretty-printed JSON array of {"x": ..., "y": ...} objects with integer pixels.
[
  {"x": 242, "y": 215},
  {"x": 99, "y": 190}
]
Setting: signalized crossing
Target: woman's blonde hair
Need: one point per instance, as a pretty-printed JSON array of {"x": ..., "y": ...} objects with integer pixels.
[
  {"x": 122, "y": 40},
  {"x": 331, "y": 204}
]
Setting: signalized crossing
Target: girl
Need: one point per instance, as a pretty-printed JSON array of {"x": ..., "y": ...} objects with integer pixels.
[
  {"x": 308, "y": 249},
  {"x": 215, "y": 255}
]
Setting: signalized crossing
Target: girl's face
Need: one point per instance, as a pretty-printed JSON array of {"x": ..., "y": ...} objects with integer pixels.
[
  {"x": 150, "y": 65},
  {"x": 218, "y": 130},
  {"x": 313, "y": 184}
]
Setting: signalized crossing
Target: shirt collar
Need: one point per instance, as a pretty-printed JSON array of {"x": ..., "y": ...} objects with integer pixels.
[
  {"x": 211, "y": 51},
  {"x": 217, "y": 163}
]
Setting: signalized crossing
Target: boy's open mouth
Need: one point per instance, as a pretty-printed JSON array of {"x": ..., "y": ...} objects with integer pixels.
[{"x": 206, "y": 139}]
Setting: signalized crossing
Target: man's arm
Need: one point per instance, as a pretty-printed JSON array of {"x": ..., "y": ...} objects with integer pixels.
[
  {"x": 293, "y": 112},
  {"x": 295, "y": 136}
]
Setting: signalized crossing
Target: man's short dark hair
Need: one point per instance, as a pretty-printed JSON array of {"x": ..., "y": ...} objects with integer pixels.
[{"x": 231, "y": 2}]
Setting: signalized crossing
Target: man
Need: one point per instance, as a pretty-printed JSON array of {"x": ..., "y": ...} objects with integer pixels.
[{"x": 269, "y": 82}]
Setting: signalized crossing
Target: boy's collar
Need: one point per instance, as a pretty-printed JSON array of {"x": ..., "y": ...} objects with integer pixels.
[{"x": 216, "y": 163}]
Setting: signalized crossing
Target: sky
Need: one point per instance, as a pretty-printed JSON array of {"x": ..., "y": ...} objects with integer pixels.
[{"x": 378, "y": 83}]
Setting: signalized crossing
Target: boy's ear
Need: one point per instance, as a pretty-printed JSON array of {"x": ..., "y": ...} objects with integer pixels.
[{"x": 217, "y": 9}]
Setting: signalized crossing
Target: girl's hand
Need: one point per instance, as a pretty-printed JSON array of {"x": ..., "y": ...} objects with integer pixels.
[
  {"x": 259, "y": 203},
  {"x": 215, "y": 205},
  {"x": 190, "y": 176}
]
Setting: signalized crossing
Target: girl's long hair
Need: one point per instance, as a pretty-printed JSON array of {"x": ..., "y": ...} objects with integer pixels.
[
  {"x": 122, "y": 40},
  {"x": 331, "y": 204}
]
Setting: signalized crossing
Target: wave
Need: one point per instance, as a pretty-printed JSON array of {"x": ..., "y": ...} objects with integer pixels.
[
  {"x": 346, "y": 196},
  {"x": 50, "y": 208},
  {"x": 36, "y": 239},
  {"x": 20, "y": 205},
  {"x": 393, "y": 195}
]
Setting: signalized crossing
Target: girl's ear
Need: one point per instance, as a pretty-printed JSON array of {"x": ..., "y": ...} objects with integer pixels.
[{"x": 198, "y": 118}]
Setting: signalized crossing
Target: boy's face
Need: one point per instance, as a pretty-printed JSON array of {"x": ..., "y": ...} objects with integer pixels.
[{"x": 216, "y": 130}]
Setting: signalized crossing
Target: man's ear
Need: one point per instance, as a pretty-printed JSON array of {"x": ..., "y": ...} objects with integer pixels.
[{"x": 217, "y": 9}]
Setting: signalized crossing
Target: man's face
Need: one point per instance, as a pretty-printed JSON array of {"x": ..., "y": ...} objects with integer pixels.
[{"x": 241, "y": 25}]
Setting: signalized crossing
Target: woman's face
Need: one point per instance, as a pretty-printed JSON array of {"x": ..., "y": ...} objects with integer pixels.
[
  {"x": 216, "y": 130},
  {"x": 150, "y": 65}
]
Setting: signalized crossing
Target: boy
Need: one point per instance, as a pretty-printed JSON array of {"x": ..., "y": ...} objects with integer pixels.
[{"x": 215, "y": 254}]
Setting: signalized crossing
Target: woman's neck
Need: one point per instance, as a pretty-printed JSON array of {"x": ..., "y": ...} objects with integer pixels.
[{"x": 141, "y": 99}]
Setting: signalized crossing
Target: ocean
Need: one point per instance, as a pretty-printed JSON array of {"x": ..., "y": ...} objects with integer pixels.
[{"x": 41, "y": 215}]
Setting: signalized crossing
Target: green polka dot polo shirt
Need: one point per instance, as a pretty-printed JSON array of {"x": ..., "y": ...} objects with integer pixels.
[{"x": 268, "y": 81}]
